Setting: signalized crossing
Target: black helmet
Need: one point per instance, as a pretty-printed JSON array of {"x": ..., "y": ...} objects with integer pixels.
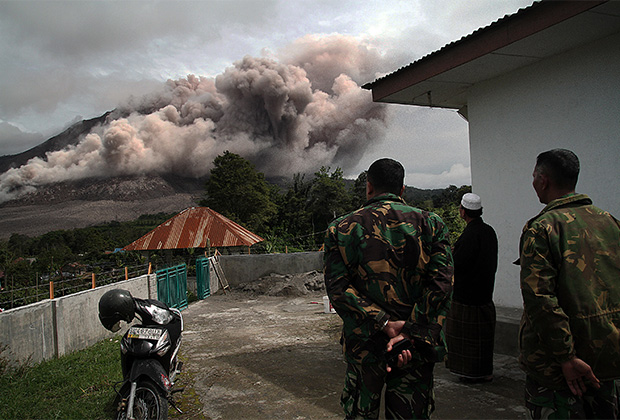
[{"x": 115, "y": 306}]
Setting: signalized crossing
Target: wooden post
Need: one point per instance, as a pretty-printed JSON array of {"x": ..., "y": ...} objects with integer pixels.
[
  {"x": 51, "y": 290},
  {"x": 149, "y": 269},
  {"x": 93, "y": 280},
  {"x": 126, "y": 274}
]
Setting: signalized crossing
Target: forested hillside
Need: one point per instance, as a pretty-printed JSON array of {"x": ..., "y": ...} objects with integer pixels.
[{"x": 291, "y": 217}]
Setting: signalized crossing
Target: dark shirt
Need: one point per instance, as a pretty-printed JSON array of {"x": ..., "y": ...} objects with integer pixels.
[{"x": 475, "y": 264}]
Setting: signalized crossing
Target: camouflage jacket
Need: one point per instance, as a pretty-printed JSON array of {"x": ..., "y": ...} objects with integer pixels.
[
  {"x": 384, "y": 261},
  {"x": 570, "y": 282}
]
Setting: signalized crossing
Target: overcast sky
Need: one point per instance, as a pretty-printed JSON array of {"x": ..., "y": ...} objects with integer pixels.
[{"x": 61, "y": 62}]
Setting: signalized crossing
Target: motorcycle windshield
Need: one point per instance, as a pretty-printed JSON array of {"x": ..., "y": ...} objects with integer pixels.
[
  {"x": 153, "y": 311},
  {"x": 159, "y": 315}
]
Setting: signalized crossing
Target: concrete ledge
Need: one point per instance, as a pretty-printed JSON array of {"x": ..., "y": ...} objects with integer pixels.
[{"x": 507, "y": 330}]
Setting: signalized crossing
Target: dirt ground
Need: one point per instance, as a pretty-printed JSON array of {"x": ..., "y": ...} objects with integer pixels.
[{"x": 269, "y": 351}]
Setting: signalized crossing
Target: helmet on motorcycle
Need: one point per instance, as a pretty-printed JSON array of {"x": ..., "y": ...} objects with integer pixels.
[{"x": 115, "y": 306}]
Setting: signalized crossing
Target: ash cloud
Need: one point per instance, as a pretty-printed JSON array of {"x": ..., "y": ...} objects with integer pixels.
[{"x": 290, "y": 113}]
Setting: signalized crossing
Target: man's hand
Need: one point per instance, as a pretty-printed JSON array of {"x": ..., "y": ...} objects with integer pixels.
[
  {"x": 405, "y": 356},
  {"x": 393, "y": 328},
  {"x": 576, "y": 371}
]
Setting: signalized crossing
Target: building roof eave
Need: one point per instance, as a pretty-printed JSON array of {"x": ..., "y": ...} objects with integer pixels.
[{"x": 442, "y": 79}]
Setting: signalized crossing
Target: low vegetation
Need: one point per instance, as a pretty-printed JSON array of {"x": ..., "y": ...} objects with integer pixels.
[
  {"x": 78, "y": 386},
  {"x": 75, "y": 386}
]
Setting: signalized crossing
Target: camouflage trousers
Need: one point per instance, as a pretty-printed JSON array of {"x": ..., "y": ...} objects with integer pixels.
[
  {"x": 546, "y": 403},
  {"x": 408, "y": 392}
]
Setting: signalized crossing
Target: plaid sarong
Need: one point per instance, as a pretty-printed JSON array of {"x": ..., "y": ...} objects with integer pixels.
[{"x": 470, "y": 335}]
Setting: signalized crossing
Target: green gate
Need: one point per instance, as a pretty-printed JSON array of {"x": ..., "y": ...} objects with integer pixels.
[
  {"x": 203, "y": 279},
  {"x": 172, "y": 286}
]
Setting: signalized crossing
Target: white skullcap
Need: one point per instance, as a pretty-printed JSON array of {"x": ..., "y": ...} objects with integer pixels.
[{"x": 471, "y": 202}]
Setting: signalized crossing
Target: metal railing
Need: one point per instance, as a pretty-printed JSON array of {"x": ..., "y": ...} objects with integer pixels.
[
  {"x": 59, "y": 285},
  {"x": 62, "y": 286}
]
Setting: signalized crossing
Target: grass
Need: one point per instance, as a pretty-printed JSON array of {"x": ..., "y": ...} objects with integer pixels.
[
  {"x": 75, "y": 386},
  {"x": 78, "y": 386}
]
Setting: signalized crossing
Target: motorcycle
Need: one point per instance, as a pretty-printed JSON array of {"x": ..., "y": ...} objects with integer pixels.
[{"x": 149, "y": 354}]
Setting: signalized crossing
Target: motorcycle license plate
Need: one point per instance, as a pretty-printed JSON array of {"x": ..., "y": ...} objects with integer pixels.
[{"x": 145, "y": 333}]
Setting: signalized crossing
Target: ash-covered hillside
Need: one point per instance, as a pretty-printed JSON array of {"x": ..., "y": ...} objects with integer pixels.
[
  {"x": 89, "y": 202},
  {"x": 119, "y": 189}
]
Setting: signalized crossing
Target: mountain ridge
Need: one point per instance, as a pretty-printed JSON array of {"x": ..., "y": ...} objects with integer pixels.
[
  {"x": 86, "y": 202},
  {"x": 70, "y": 136}
]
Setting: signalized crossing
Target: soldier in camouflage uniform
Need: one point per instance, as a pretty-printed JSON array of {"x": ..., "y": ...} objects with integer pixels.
[
  {"x": 388, "y": 274},
  {"x": 570, "y": 281}
]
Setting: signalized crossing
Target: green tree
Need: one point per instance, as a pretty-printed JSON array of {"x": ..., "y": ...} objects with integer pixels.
[
  {"x": 449, "y": 213},
  {"x": 328, "y": 198},
  {"x": 50, "y": 260},
  {"x": 7, "y": 256},
  {"x": 294, "y": 218},
  {"x": 90, "y": 242},
  {"x": 358, "y": 191},
  {"x": 238, "y": 191},
  {"x": 20, "y": 244},
  {"x": 450, "y": 195}
]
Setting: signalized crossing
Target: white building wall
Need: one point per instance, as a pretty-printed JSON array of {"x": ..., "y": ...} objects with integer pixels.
[{"x": 569, "y": 101}]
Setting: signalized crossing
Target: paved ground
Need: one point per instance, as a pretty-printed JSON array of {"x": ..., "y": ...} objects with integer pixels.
[{"x": 267, "y": 357}]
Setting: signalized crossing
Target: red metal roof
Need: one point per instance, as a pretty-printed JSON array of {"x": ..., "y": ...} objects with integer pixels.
[{"x": 195, "y": 227}]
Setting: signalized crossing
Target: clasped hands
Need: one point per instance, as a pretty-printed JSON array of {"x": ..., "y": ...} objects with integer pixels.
[
  {"x": 575, "y": 370},
  {"x": 393, "y": 329}
]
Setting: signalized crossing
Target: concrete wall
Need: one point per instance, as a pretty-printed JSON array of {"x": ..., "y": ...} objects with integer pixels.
[
  {"x": 78, "y": 321},
  {"x": 244, "y": 268},
  {"x": 51, "y": 328},
  {"x": 568, "y": 101},
  {"x": 28, "y": 333}
]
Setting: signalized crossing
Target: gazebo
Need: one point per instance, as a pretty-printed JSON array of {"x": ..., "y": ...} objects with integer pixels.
[{"x": 195, "y": 227}]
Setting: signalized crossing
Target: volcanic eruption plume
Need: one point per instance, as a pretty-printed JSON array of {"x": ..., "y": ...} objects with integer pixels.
[{"x": 287, "y": 114}]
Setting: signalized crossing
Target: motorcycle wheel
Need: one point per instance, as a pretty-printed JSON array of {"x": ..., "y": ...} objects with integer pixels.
[{"x": 149, "y": 404}]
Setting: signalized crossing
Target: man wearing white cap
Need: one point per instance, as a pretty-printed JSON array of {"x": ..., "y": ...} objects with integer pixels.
[{"x": 470, "y": 326}]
